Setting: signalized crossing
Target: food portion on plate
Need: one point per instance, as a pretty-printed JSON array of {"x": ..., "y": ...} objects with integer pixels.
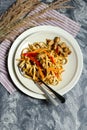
[
  {"x": 44, "y": 60},
  {"x": 72, "y": 69}
]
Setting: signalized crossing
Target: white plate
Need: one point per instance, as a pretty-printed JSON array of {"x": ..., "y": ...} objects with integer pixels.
[{"x": 73, "y": 68}]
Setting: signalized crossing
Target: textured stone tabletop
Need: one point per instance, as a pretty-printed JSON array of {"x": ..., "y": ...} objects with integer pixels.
[{"x": 21, "y": 112}]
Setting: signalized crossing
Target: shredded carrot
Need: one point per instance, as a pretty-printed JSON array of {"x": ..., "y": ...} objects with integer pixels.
[
  {"x": 55, "y": 70},
  {"x": 51, "y": 57},
  {"x": 39, "y": 50},
  {"x": 52, "y": 69}
]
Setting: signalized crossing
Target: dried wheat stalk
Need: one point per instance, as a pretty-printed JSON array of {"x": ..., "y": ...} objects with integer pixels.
[
  {"x": 20, "y": 13},
  {"x": 17, "y": 12}
]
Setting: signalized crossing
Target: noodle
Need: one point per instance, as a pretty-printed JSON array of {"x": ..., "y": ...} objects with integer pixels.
[{"x": 44, "y": 60}]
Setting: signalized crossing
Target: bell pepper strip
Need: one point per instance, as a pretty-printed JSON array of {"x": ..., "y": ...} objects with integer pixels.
[
  {"x": 32, "y": 58},
  {"x": 30, "y": 54},
  {"x": 39, "y": 66},
  {"x": 57, "y": 50},
  {"x": 34, "y": 53},
  {"x": 52, "y": 59}
]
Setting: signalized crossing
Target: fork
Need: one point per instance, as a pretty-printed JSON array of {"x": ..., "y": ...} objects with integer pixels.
[
  {"x": 56, "y": 94},
  {"x": 48, "y": 96}
]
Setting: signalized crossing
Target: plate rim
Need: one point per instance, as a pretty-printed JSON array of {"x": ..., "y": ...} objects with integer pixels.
[{"x": 23, "y": 36}]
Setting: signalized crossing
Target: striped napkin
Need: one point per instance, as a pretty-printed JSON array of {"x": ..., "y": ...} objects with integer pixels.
[{"x": 69, "y": 25}]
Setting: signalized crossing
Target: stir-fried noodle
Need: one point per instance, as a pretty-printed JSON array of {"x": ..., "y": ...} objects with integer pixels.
[{"x": 44, "y": 60}]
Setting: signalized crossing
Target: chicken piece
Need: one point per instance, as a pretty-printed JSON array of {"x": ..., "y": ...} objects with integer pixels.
[
  {"x": 56, "y": 39},
  {"x": 49, "y": 42},
  {"x": 63, "y": 45}
]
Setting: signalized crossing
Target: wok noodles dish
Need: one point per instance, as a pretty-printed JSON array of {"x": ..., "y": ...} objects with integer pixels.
[{"x": 44, "y": 60}]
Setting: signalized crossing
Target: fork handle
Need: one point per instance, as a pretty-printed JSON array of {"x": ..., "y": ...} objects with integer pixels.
[
  {"x": 47, "y": 95},
  {"x": 60, "y": 97}
]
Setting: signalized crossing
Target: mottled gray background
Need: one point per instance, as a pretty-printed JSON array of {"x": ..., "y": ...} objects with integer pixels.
[{"x": 20, "y": 112}]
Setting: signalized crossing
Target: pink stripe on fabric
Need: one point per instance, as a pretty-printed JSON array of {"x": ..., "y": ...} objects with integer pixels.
[
  {"x": 4, "y": 47},
  {"x": 69, "y": 25},
  {"x": 64, "y": 19},
  {"x": 3, "y": 69},
  {"x": 4, "y": 79},
  {"x": 2, "y": 64},
  {"x": 6, "y": 41}
]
